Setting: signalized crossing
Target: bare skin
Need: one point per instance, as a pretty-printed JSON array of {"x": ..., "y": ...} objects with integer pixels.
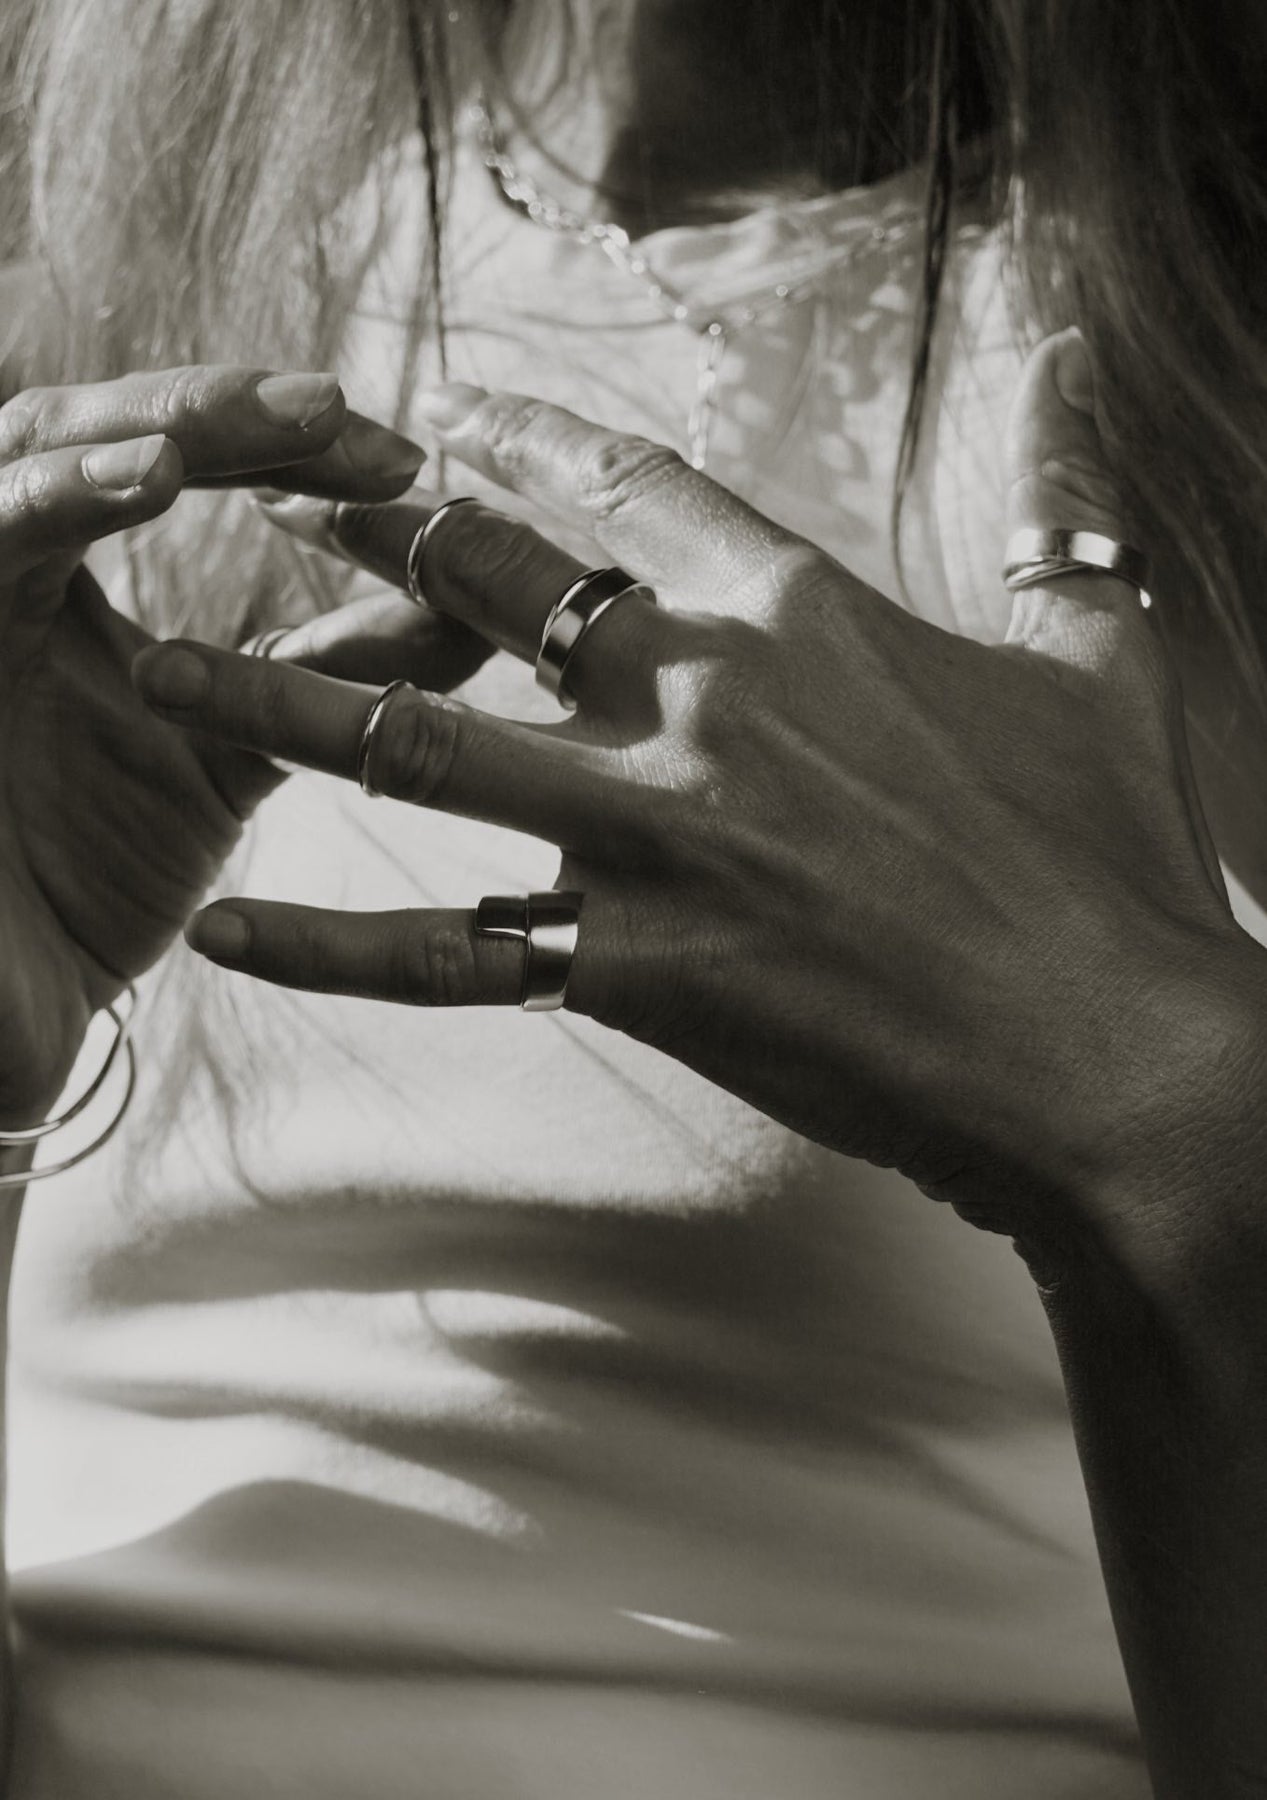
[
  {"x": 1162, "y": 1248},
  {"x": 947, "y": 907}
]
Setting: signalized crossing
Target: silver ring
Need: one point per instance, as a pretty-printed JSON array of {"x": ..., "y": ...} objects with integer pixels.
[
  {"x": 1035, "y": 556},
  {"x": 418, "y": 549},
  {"x": 266, "y": 642},
  {"x": 365, "y": 749},
  {"x": 548, "y": 926},
  {"x": 572, "y": 615}
]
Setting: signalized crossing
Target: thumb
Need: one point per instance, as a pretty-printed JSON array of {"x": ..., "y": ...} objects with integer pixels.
[{"x": 1059, "y": 479}]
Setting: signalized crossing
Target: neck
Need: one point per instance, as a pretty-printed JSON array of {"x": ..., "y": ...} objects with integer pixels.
[{"x": 663, "y": 112}]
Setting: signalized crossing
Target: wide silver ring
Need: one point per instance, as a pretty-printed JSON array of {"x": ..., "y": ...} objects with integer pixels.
[
  {"x": 548, "y": 926},
  {"x": 418, "y": 549},
  {"x": 1035, "y": 556},
  {"x": 572, "y": 615},
  {"x": 365, "y": 749}
]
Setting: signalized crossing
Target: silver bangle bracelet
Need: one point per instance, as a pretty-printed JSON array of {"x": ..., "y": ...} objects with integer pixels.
[{"x": 35, "y": 1134}]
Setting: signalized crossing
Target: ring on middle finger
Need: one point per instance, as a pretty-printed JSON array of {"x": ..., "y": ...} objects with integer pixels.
[{"x": 578, "y": 608}]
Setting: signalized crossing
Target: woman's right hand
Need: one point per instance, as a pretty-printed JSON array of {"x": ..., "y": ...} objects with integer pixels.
[{"x": 112, "y": 823}]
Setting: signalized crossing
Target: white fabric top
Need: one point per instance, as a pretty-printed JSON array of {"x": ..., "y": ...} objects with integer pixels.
[{"x": 497, "y": 1411}]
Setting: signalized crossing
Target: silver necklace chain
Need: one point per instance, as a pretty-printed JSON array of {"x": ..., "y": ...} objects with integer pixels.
[{"x": 713, "y": 329}]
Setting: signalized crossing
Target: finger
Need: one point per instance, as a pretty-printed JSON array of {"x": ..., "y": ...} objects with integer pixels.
[
  {"x": 428, "y": 749},
  {"x": 419, "y": 958},
  {"x": 63, "y": 500},
  {"x": 422, "y": 957},
  {"x": 367, "y": 462},
  {"x": 223, "y": 419},
  {"x": 380, "y": 639},
  {"x": 1060, "y": 479},
  {"x": 669, "y": 523},
  {"x": 495, "y": 574}
]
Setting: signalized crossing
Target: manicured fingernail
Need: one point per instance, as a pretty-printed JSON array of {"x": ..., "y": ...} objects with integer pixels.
[
  {"x": 375, "y": 450},
  {"x": 123, "y": 466},
  {"x": 172, "y": 677},
  {"x": 1073, "y": 374},
  {"x": 296, "y": 399},
  {"x": 219, "y": 933},
  {"x": 446, "y": 407}
]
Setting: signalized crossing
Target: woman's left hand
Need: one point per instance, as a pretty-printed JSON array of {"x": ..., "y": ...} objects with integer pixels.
[{"x": 940, "y": 905}]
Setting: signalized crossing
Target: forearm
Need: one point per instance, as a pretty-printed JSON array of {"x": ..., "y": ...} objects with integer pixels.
[
  {"x": 1170, "y": 1412},
  {"x": 11, "y": 1162}
]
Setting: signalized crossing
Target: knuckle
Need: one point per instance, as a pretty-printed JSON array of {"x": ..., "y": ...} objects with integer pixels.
[
  {"x": 419, "y": 745},
  {"x": 20, "y": 421},
  {"x": 798, "y": 568},
  {"x": 623, "y": 471},
  {"x": 437, "y": 970},
  {"x": 176, "y": 393},
  {"x": 27, "y": 488},
  {"x": 511, "y": 428},
  {"x": 1073, "y": 490}
]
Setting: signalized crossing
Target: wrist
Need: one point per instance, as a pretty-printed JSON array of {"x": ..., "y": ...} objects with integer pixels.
[
  {"x": 1172, "y": 1193},
  {"x": 20, "y": 1141}
]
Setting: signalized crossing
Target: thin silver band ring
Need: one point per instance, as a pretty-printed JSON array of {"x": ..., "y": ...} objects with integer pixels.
[
  {"x": 418, "y": 549},
  {"x": 265, "y": 643},
  {"x": 365, "y": 749}
]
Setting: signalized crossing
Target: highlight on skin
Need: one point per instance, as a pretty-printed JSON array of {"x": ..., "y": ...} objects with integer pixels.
[{"x": 183, "y": 183}]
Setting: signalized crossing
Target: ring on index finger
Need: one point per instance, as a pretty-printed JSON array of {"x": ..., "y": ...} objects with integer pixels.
[
  {"x": 578, "y": 608},
  {"x": 418, "y": 548}
]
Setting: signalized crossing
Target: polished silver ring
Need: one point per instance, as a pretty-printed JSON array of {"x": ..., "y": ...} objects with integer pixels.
[
  {"x": 418, "y": 549},
  {"x": 1035, "y": 556},
  {"x": 365, "y": 749},
  {"x": 548, "y": 926},
  {"x": 572, "y": 615}
]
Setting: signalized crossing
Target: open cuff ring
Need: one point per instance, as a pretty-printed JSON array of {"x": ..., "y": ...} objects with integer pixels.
[
  {"x": 1035, "y": 556},
  {"x": 572, "y": 615},
  {"x": 548, "y": 926}
]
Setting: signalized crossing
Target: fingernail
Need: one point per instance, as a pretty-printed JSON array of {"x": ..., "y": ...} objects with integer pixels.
[
  {"x": 123, "y": 466},
  {"x": 377, "y": 450},
  {"x": 300, "y": 516},
  {"x": 277, "y": 500},
  {"x": 1073, "y": 374},
  {"x": 446, "y": 407},
  {"x": 296, "y": 399},
  {"x": 172, "y": 677},
  {"x": 220, "y": 933}
]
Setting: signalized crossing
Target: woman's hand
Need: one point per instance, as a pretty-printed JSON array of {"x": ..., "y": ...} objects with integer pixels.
[
  {"x": 111, "y": 822},
  {"x": 942, "y": 906}
]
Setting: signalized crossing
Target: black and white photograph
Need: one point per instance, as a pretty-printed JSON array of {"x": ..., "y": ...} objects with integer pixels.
[{"x": 633, "y": 899}]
